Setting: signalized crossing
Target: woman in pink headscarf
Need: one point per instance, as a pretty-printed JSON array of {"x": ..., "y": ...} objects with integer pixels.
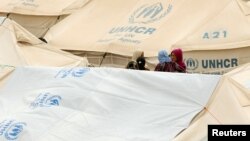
[{"x": 177, "y": 57}]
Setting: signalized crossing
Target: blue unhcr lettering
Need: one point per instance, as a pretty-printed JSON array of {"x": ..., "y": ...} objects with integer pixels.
[{"x": 73, "y": 72}]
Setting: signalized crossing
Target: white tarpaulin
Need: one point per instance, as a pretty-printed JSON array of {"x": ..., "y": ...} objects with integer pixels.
[{"x": 100, "y": 104}]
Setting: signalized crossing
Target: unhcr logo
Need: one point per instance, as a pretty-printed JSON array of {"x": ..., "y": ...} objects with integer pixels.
[
  {"x": 72, "y": 72},
  {"x": 192, "y": 64},
  {"x": 11, "y": 130},
  {"x": 148, "y": 14},
  {"x": 46, "y": 100}
]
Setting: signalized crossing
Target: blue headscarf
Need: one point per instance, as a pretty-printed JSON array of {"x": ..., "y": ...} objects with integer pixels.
[{"x": 163, "y": 56}]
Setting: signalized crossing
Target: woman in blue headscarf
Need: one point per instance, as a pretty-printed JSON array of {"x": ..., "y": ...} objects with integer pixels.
[{"x": 165, "y": 64}]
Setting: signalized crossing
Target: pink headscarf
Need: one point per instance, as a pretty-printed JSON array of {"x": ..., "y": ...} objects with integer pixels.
[{"x": 179, "y": 57}]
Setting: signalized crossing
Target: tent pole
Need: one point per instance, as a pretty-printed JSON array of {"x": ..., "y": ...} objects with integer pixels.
[{"x": 103, "y": 57}]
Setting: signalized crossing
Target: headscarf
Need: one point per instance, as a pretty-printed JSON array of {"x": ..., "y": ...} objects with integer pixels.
[
  {"x": 141, "y": 63},
  {"x": 132, "y": 65},
  {"x": 179, "y": 57},
  {"x": 163, "y": 56}
]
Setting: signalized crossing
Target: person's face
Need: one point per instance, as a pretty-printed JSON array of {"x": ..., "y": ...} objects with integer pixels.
[{"x": 173, "y": 57}]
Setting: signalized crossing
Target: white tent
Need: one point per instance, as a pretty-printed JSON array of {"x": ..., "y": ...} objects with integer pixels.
[
  {"x": 21, "y": 48},
  {"x": 220, "y": 43},
  {"x": 100, "y": 104},
  {"x": 229, "y": 104},
  {"x": 37, "y": 16},
  {"x": 152, "y": 25}
]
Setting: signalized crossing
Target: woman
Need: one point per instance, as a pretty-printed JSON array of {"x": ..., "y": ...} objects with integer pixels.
[
  {"x": 141, "y": 62},
  {"x": 133, "y": 64},
  {"x": 165, "y": 64},
  {"x": 177, "y": 57}
]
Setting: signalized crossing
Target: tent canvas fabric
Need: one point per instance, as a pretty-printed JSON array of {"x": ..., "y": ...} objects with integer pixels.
[
  {"x": 151, "y": 25},
  {"x": 37, "y": 25},
  {"x": 21, "y": 48},
  {"x": 220, "y": 40},
  {"x": 5, "y": 73},
  {"x": 229, "y": 104},
  {"x": 41, "y": 7},
  {"x": 37, "y": 16},
  {"x": 216, "y": 61},
  {"x": 97, "y": 104}
]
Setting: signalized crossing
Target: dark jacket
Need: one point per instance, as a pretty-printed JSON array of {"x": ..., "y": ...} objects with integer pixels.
[{"x": 166, "y": 67}]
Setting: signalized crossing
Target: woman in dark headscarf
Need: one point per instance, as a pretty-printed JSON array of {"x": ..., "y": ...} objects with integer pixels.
[
  {"x": 141, "y": 62},
  {"x": 133, "y": 64},
  {"x": 177, "y": 56}
]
